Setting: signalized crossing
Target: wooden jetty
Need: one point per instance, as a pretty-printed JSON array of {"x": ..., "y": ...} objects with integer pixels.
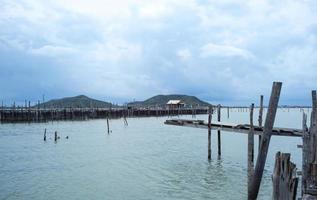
[
  {"x": 28, "y": 114},
  {"x": 285, "y": 177},
  {"x": 235, "y": 128}
]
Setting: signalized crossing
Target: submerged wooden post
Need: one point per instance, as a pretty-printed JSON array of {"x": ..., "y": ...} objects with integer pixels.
[
  {"x": 209, "y": 132},
  {"x": 250, "y": 150},
  {"x": 219, "y": 136},
  {"x": 284, "y": 178},
  {"x": 260, "y": 117},
  {"x": 45, "y": 135},
  {"x": 55, "y": 136},
  {"x": 108, "y": 125},
  {"x": 265, "y": 141}
]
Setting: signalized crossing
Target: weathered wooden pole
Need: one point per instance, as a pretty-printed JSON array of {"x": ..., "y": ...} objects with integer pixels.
[
  {"x": 284, "y": 178},
  {"x": 265, "y": 141},
  {"x": 209, "y": 132},
  {"x": 250, "y": 150},
  {"x": 260, "y": 117},
  {"x": 228, "y": 112},
  {"x": 305, "y": 153},
  {"x": 219, "y": 135}
]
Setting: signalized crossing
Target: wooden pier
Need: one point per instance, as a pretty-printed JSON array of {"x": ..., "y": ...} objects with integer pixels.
[
  {"x": 235, "y": 128},
  {"x": 285, "y": 177},
  {"x": 12, "y": 115}
]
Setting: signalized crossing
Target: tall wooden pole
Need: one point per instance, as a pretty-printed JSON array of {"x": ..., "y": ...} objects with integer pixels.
[
  {"x": 250, "y": 150},
  {"x": 305, "y": 153},
  {"x": 219, "y": 135},
  {"x": 260, "y": 117},
  {"x": 265, "y": 141},
  {"x": 209, "y": 132}
]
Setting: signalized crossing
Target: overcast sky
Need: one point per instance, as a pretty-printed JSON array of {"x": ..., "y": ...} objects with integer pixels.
[{"x": 226, "y": 51}]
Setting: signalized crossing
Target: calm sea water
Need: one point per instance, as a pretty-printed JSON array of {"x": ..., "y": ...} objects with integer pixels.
[{"x": 145, "y": 160}]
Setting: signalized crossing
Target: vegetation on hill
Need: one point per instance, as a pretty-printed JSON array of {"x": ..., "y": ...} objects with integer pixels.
[
  {"x": 80, "y": 101},
  {"x": 160, "y": 100}
]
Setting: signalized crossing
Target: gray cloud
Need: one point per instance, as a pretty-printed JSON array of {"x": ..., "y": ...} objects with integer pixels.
[{"x": 228, "y": 51}]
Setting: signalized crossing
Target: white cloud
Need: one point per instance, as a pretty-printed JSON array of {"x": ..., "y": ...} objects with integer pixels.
[
  {"x": 184, "y": 54},
  {"x": 215, "y": 50},
  {"x": 241, "y": 42},
  {"x": 55, "y": 51}
]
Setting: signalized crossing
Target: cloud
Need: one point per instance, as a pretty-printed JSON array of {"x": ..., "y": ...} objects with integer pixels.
[
  {"x": 218, "y": 50},
  {"x": 54, "y": 51},
  {"x": 211, "y": 49},
  {"x": 184, "y": 54}
]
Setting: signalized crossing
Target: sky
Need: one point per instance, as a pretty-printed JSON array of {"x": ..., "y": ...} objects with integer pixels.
[{"x": 226, "y": 52}]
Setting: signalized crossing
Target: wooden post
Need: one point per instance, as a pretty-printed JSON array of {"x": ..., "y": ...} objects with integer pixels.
[
  {"x": 311, "y": 179},
  {"x": 55, "y": 136},
  {"x": 108, "y": 125},
  {"x": 260, "y": 117},
  {"x": 250, "y": 150},
  {"x": 219, "y": 136},
  {"x": 209, "y": 132},
  {"x": 45, "y": 135},
  {"x": 265, "y": 141},
  {"x": 228, "y": 112},
  {"x": 284, "y": 178},
  {"x": 305, "y": 154}
]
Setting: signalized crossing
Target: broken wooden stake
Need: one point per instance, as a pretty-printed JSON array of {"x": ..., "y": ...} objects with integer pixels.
[{"x": 284, "y": 178}]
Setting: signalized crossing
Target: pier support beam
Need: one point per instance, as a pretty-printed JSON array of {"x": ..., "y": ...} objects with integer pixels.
[{"x": 265, "y": 141}]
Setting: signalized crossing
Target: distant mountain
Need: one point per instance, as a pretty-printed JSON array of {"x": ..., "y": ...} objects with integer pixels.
[
  {"x": 163, "y": 99},
  {"x": 80, "y": 101}
]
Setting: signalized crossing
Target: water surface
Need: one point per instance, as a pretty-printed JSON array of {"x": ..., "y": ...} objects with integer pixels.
[{"x": 145, "y": 160}]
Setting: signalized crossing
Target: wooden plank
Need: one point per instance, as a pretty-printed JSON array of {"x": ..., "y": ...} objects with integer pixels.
[
  {"x": 265, "y": 141},
  {"x": 235, "y": 128}
]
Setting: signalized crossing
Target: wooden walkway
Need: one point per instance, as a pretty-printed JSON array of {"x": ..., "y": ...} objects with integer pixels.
[{"x": 236, "y": 128}]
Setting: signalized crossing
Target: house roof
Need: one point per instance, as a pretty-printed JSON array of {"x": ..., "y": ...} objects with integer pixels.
[{"x": 171, "y": 102}]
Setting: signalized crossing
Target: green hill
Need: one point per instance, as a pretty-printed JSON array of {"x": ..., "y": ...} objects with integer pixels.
[
  {"x": 161, "y": 100},
  {"x": 80, "y": 101}
]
